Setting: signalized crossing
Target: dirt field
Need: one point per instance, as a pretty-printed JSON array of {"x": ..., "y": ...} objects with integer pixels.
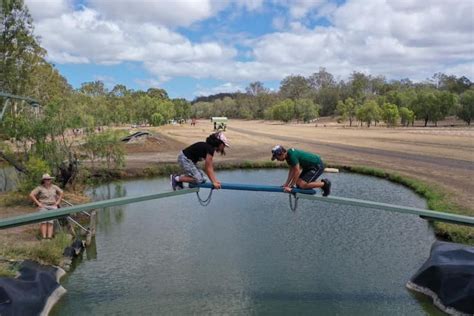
[{"x": 443, "y": 156}]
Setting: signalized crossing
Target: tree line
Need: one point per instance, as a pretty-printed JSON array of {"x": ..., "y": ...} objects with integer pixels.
[{"x": 364, "y": 98}]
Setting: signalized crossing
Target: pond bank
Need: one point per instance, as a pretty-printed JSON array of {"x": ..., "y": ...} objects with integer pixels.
[{"x": 24, "y": 242}]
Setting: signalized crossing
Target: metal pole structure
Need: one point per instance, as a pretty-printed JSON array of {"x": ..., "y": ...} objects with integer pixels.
[
  {"x": 425, "y": 214},
  {"x": 75, "y": 222},
  {"x": 4, "y": 109},
  {"x": 52, "y": 214},
  {"x": 12, "y": 96},
  {"x": 8, "y": 98},
  {"x": 70, "y": 204}
]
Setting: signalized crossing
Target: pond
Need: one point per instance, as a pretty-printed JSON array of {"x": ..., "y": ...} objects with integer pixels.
[{"x": 247, "y": 253}]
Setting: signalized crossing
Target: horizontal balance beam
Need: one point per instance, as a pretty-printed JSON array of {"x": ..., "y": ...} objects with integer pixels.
[
  {"x": 252, "y": 187},
  {"x": 425, "y": 214},
  {"x": 61, "y": 212}
]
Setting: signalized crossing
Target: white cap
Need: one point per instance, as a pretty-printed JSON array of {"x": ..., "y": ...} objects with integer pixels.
[{"x": 222, "y": 138}]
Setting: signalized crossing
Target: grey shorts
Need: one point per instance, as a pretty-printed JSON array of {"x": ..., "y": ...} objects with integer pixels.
[
  {"x": 190, "y": 169},
  {"x": 47, "y": 208}
]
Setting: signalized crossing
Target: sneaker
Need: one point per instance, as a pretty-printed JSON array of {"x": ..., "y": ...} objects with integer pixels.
[
  {"x": 175, "y": 184},
  {"x": 326, "y": 187}
]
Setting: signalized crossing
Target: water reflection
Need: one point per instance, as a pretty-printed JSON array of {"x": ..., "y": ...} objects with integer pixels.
[
  {"x": 90, "y": 253},
  {"x": 110, "y": 216}
]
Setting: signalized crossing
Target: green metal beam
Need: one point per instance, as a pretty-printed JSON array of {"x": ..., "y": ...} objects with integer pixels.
[
  {"x": 425, "y": 214},
  {"x": 8, "y": 97},
  {"x": 12, "y": 96},
  {"x": 52, "y": 214}
]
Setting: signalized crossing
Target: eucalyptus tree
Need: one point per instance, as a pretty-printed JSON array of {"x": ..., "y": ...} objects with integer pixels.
[
  {"x": 157, "y": 93},
  {"x": 360, "y": 87},
  {"x": 451, "y": 83},
  {"x": 283, "y": 110},
  {"x": 182, "y": 109},
  {"x": 256, "y": 88},
  {"x": 94, "y": 89},
  {"x": 326, "y": 91},
  {"x": 305, "y": 110},
  {"x": 407, "y": 116},
  {"x": 347, "y": 109},
  {"x": 466, "y": 106},
  {"x": 425, "y": 105},
  {"x": 20, "y": 51},
  {"x": 295, "y": 87},
  {"x": 369, "y": 112},
  {"x": 390, "y": 114},
  {"x": 258, "y": 98}
]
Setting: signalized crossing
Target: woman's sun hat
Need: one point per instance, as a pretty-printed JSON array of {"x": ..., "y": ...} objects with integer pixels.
[{"x": 46, "y": 176}]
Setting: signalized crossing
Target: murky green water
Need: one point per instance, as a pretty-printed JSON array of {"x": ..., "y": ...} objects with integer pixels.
[{"x": 247, "y": 253}]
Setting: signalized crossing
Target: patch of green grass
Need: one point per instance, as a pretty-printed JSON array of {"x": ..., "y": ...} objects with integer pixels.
[
  {"x": 45, "y": 251},
  {"x": 7, "y": 270},
  {"x": 14, "y": 198}
]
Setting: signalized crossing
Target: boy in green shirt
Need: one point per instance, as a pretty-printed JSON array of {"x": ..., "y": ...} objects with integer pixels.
[{"x": 305, "y": 168}]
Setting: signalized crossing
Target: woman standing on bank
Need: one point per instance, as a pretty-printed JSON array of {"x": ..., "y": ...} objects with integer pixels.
[{"x": 47, "y": 196}]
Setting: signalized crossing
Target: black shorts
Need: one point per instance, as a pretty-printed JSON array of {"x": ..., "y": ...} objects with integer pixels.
[{"x": 311, "y": 174}]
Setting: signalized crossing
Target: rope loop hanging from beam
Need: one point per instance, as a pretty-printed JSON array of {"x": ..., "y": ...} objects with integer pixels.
[
  {"x": 207, "y": 200},
  {"x": 293, "y": 199}
]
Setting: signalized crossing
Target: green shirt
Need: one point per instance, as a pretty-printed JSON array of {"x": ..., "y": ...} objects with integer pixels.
[{"x": 304, "y": 159}]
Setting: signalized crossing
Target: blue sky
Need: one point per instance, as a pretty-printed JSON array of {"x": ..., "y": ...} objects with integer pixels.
[{"x": 201, "y": 47}]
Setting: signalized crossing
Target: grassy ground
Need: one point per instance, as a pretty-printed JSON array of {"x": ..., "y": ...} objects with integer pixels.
[
  {"x": 44, "y": 251},
  {"x": 24, "y": 242}
]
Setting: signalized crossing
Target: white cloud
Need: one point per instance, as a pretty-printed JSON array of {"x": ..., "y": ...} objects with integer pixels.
[
  {"x": 168, "y": 12},
  {"x": 227, "y": 87},
  {"x": 407, "y": 40},
  {"x": 393, "y": 38},
  {"x": 279, "y": 22},
  {"x": 85, "y": 36},
  {"x": 43, "y": 9},
  {"x": 300, "y": 8},
  {"x": 151, "y": 82}
]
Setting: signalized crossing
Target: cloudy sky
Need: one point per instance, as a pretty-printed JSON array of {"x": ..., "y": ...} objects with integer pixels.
[{"x": 200, "y": 47}]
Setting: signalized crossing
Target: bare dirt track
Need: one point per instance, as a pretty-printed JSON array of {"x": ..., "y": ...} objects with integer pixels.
[{"x": 442, "y": 156}]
